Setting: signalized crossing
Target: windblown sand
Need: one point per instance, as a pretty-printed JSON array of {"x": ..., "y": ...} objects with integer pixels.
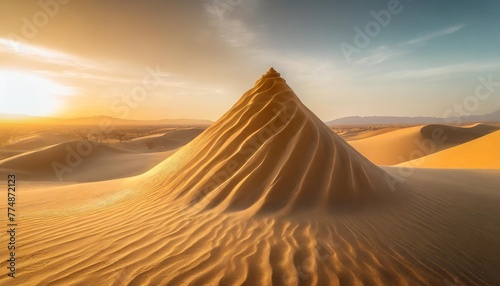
[{"x": 291, "y": 205}]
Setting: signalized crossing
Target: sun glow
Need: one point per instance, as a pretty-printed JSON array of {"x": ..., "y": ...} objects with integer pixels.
[{"x": 30, "y": 94}]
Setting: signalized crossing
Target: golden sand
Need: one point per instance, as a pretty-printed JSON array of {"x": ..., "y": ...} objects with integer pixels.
[{"x": 268, "y": 195}]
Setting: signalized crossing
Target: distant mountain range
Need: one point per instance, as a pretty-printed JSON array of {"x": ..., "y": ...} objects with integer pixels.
[
  {"x": 394, "y": 120},
  {"x": 345, "y": 121},
  {"x": 97, "y": 120}
]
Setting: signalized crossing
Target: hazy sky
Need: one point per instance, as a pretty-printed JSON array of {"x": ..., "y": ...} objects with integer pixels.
[{"x": 193, "y": 59}]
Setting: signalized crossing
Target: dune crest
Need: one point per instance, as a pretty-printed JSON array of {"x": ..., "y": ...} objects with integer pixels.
[
  {"x": 270, "y": 153},
  {"x": 455, "y": 134}
]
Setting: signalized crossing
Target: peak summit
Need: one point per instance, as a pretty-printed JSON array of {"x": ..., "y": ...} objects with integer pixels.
[
  {"x": 269, "y": 153},
  {"x": 271, "y": 74},
  {"x": 272, "y": 71}
]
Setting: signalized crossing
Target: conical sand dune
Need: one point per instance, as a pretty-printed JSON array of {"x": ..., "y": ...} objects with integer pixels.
[{"x": 269, "y": 153}]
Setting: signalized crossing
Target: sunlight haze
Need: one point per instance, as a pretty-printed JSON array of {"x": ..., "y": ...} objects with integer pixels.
[{"x": 207, "y": 51}]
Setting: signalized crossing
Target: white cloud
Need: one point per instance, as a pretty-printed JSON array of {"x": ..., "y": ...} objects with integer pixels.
[
  {"x": 56, "y": 64},
  {"x": 444, "y": 72},
  {"x": 252, "y": 43},
  {"x": 431, "y": 36},
  {"x": 380, "y": 55},
  {"x": 384, "y": 53},
  {"x": 236, "y": 33},
  {"x": 43, "y": 55}
]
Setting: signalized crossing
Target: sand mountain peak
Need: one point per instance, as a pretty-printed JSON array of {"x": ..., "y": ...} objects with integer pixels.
[{"x": 270, "y": 153}]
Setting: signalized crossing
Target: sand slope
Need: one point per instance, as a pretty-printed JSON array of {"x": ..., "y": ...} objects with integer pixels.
[
  {"x": 272, "y": 220},
  {"x": 481, "y": 153}
]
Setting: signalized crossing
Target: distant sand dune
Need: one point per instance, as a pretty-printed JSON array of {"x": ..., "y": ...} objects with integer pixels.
[
  {"x": 411, "y": 143},
  {"x": 84, "y": 163},
  {"x": 454, "y": 134},
  {"x": 33, "y": 156},
  {"x": 170, "y": 140},
  {"x": 481, "y": 153},
  {"x": 368, "y": 134},
  {"x": 35, "y": 141},
  {"x": 390, "y": 148}
]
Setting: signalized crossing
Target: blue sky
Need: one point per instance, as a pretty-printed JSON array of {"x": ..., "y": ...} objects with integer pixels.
[{"x": 427, "y": 58}]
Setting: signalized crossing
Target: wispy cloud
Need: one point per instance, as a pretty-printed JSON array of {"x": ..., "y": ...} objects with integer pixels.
[
  {"x": 236, "y": 33},
  {"x": 444, "y": 72},
  {"x": 431, "y": 36},
  {"x": 88, "y": 79},
  {"x": 53, "y": 63},
  {"x": 44, "y": 55},
  {"x": 385, "y": 53},
  {"x": 252, "y": 42},
  {"x": 380, "y": 55}
]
